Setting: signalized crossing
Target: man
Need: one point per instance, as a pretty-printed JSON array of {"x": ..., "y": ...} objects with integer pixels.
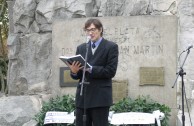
[{"x": 103, "y": 57}]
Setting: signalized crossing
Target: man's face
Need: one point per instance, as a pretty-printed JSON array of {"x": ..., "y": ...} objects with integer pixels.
[{"x": 93, "y": 32}]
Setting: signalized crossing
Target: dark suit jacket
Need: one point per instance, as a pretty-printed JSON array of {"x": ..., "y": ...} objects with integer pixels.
[{"x": 104, "y": 65}]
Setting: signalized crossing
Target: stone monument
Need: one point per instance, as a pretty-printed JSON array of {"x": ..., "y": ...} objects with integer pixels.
[{"x": 144, "y": 41}]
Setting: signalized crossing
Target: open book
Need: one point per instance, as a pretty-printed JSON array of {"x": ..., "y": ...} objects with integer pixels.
[{"x": 78, "y": 57}]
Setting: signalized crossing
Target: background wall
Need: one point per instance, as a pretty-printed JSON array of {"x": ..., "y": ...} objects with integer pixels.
[
  {"x": 143, "y": 44},
  {"x": 30, "y": 38}
]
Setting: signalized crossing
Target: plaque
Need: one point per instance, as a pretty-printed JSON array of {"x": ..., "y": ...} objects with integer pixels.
[
  {"x": 65, "y": 78},
  {"x": 151, "y": 76}
]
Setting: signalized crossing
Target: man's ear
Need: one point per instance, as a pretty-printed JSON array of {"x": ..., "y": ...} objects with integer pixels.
[{"x": 101, "y": 30}]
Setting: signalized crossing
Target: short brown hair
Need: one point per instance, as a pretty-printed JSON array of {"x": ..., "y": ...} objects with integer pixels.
[{"x": 97, "y": 23}]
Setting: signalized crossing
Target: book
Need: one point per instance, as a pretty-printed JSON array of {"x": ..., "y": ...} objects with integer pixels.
[{"x": 78, "y": 57}]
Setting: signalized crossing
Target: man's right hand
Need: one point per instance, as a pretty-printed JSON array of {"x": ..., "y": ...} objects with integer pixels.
[{"x": 75, "y": 67}]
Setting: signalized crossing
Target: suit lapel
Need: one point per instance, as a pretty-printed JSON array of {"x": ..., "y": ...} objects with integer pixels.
[
  {"x": 99, "y": 51},
  {"x": 100, "y": 48},
  {"x": 89, "y": 52}
]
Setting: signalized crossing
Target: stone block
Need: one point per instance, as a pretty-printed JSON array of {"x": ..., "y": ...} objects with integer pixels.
[
  {"x": 143, "y": 42},
  {"x": 18, "y": 110}
]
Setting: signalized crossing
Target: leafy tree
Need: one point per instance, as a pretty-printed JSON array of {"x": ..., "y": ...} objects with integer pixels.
[{"x": 4, "y": 23}]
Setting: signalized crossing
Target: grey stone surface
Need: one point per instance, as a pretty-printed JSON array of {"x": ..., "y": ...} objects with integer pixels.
[
  {"x": 46, "y": 28},
  {"x": 34, "y": 28},
  {"x": 18, "y": 110},
  {"x": 37, "y": 1},
  {"x": 28, "y": 75},
  {"x": 23, "y": 15},
  {"x": 188, "y": 116},
  {"x": 163, "y": 7},
  {"x": 48, "y": 10},
  {"x": 13, "y": 44},
  {"x": 10, "y": 11},
  {"x": 30, "y": 123},
  {"x": 45, "y": 8},
  {"x": 143, "y": 42},
  {"x": 186, "y": 38},
  {"x": 132, "y": 8},
  {"x": 32, "y": 64},
  {"x": 186, "y": 35},
  {"x": 189, "y": 106},
  {"x": 41, "y": 87}
]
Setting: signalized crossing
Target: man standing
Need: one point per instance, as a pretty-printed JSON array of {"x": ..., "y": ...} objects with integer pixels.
[{"x": 103, "y": 57}]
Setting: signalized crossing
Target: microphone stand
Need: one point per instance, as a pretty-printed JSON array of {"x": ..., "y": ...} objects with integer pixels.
[
  {"x": 182, "y": 73},
  {"x": 83, "y": 83}
]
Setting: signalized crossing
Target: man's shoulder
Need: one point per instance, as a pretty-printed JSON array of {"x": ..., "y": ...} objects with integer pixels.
[
  {"x": 82, "y": 45},
  {"x": 108, "y": 42}
]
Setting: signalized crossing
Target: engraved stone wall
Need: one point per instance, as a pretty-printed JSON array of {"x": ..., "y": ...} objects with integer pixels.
[
  {"x": 47, "y": 10},
  {"x": 144, "y": 41}
]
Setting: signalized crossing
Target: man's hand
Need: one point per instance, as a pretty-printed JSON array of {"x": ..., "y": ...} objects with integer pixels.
[
  {"x": 75, "y": 66},
  {"x": 89, "y": 70}
]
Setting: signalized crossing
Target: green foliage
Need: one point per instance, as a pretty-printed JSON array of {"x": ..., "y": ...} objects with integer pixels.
[
  {"x": 4, "y": 18},
  {"x": 142, "y": 104},
  {"x": 65, "y": 103},
  {"x": 3, "y": 49},
  {"x": 3, "y": 75}
]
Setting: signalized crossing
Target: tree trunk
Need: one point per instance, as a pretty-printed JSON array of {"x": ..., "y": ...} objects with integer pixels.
[{"x": 2, "y": 50}]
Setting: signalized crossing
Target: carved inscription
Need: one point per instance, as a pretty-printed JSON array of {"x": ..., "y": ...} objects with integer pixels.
[
  {"x": 151, "y": 76},
  {"x": 66, "y": 51},
  {"x": 142, "y": 41},
  {"x": 130, "y": 40},
  {"x": 141, "y": 49}
]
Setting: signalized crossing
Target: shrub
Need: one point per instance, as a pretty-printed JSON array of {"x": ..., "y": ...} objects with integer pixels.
[
  {"x": 142, "y": 104},
  {"x": 65, "y": 103}
]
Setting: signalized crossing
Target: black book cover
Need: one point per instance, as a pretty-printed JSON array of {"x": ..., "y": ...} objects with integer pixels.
[{"x": 70, "y": 60}]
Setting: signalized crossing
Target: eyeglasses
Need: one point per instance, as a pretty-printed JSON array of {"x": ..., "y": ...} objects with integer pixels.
[{"x": 90, "y": 30}]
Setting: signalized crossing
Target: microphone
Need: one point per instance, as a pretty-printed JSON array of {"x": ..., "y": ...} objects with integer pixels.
[
  {"x": 191, "y": 46},
  {"x": 88, "y": 39}
]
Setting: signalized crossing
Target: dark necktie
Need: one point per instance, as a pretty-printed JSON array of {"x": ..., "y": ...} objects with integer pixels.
[{"x": 93, "y": 45}]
